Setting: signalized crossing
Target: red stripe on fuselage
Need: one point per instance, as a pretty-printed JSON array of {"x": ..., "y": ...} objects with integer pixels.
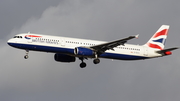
[
  {"x": 32, "y": 36},
  {"x": 163, "y": 32}
]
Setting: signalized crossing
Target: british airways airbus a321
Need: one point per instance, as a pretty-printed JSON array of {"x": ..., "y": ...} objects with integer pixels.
[{"x": 68, "y": 49}]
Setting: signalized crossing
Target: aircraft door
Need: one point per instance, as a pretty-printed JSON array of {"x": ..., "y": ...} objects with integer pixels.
[
  {"x": 29, "y": 40},
  {"x": 63, "y": 42},
  {"x": 145, "y": 51}
]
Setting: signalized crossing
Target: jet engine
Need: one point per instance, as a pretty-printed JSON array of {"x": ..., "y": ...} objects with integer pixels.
[
  {"x": 84, "y": 51},
  {"x": 64, "y": 58}
]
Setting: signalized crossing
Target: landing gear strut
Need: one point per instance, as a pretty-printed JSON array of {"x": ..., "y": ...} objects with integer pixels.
[
  {"x": 26, "y": 56},
  {"x": 96, "y": 60},
  {"x": 83, "y": 64}
]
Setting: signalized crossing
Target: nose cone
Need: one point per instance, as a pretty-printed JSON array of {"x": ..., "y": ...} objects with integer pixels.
[{"x": 10, "y": 42}]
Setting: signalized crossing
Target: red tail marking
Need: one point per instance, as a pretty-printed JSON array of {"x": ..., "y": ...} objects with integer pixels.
[
  {"x": 163, "y": 32},
  {"x": 154, "y": 46}
]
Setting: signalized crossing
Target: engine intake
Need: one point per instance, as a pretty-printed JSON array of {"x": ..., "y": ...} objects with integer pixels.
[
  {"x": 84, "y": 51},
  {"x": 64, "y": 58}
]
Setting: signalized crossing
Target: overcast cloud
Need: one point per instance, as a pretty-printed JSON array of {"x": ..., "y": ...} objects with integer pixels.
[{"x": 40, "y": 78}]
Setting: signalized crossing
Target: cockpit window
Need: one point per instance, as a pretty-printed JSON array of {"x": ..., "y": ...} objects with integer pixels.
[{"x": 17, "y": 36}]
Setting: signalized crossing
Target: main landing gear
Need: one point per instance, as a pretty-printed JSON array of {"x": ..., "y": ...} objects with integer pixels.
[
  {"x": 26, "y": 56},
  {"x": 96, "y": 61},
  {"x": 83, "y": 64}
]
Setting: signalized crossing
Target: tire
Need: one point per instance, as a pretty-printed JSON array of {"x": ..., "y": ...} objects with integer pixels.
[
  {"x": 96, "y": 61},
  {"x": 26, "y": 57},
  {"x": 83, "y": 65}
]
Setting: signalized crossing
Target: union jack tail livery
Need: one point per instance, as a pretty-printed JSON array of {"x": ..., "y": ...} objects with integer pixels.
[{"x": 157, "y": 41}]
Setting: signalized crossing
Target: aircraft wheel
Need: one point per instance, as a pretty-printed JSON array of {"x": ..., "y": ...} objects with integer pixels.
[
  {"x": 26, "y": 57},
  {"x": 83, "y": 65},
  {"x": 96, "y": 61}
]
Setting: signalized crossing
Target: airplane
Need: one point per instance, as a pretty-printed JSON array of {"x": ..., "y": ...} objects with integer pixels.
[{"x": 68, "y": 49}]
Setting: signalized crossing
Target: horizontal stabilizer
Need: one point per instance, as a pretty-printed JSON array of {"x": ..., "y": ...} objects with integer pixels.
[{"x": 166, "y": 50}]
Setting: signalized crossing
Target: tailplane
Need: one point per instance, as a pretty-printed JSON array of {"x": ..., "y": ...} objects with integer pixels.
[
  {"x": 157, "y": 41},
  {"x": 166, "y": 51}
]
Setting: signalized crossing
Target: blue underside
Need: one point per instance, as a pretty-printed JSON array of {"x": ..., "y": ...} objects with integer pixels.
[{"x": 71, "y": 51}]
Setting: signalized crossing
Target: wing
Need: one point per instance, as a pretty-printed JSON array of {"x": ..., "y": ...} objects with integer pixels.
[{"x": 110, "y": 45}]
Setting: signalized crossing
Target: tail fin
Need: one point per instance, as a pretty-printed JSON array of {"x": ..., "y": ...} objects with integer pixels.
[{"x": 157, "y": 41}]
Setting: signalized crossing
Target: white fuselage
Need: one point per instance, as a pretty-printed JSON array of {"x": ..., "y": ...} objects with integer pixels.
[{"x": 65, "y": 45}]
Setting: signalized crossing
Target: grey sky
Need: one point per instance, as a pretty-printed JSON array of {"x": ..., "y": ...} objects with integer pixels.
[
  {"x": 40, "y": 78},
  {"x": 16, "y": 12}
]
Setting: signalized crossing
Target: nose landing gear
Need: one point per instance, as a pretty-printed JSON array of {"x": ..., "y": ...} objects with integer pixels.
[{"x": 26, "y": 56}]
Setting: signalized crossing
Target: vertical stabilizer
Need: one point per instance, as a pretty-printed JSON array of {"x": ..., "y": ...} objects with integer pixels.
[{"x": 158, "y": 40}]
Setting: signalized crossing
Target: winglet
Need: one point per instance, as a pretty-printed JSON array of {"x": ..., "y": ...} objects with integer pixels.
[{"x": 137, "y": 36}]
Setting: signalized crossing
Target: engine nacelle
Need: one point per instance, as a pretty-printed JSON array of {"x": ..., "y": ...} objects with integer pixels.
[
  {"x": 64, "y": 58},
  {"x": 83, "y": 51}
]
